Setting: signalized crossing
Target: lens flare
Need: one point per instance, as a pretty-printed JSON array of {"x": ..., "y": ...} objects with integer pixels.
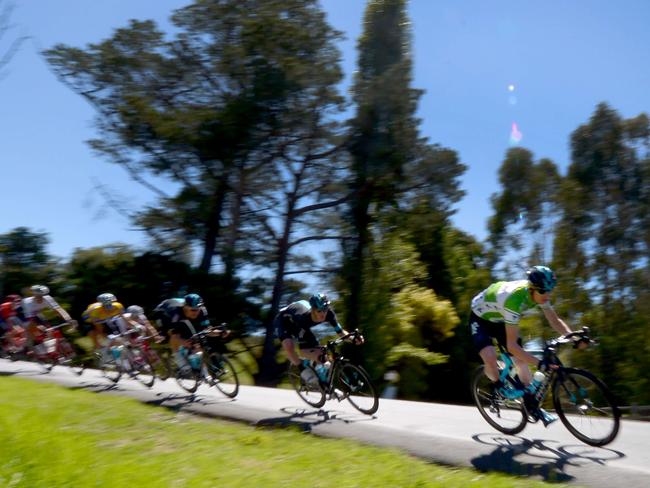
[
  {"x": 511, "y": 87},
  {"x": 515, "y": 134}
]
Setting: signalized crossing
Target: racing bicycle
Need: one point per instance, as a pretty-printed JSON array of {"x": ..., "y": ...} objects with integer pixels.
[
  {"x": 583, "y": 402},
  {"x": 205, "y": 362},
  {"x": 344, "y": 381},
  {"x": 128, "y": 354}
]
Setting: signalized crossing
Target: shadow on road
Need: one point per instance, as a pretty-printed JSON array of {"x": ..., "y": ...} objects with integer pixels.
[
  {"x": 177, "y": 401},
  {"x": 538, "y": 457},
  {"x": 306, "y": 420}
]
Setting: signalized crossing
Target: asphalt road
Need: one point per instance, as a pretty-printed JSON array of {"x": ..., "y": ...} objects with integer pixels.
[{"x": 447, "y": 434}]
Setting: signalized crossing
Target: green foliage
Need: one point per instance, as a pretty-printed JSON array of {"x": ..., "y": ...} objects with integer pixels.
[
  {"x": 524, "y": 209},
  {"x": 403, "y": 321},
  {"x": 24, "y": 260}
]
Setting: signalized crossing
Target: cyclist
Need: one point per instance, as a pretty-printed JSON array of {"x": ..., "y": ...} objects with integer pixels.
[
  {"x": 294, "y": 322},
  {"x": 495, "y": 314},
  {"x": 34, "y": 306},
  {"x": 180, "y": 318},
  {"x": 100, "y": 315},
  {"x": 11, "y": 319},
  {"x": 136, "y": 318}
]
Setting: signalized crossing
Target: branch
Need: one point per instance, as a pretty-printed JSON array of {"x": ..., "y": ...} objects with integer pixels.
[
  {"x": 304, "y": 271},
  {"x": 318, "y": 206},
  {"x": 319, "y": 238}
]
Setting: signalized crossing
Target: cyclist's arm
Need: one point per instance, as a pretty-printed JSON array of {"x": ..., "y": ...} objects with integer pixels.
[
  {"x": 512, "y": 344},
  {"x": 62, "y": 313},
  {"x": 556, "y": 322},
  {"x": 151, "y": 330}
]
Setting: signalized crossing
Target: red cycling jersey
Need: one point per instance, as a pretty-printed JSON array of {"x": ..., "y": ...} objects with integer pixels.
[{"x": 7, "y": 310}]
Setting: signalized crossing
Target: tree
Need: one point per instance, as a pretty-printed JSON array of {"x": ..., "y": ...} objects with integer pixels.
[
  {"x": 391, "y": 164},
  {"x": 205, "y": 109},
  {"x": 525, "y": 212},
  {"x": 408, "y": 320},
  {"x": 7, "y": 54},
  {"x": 24, "y": 260},
  {"x": 602, "y": 248}
]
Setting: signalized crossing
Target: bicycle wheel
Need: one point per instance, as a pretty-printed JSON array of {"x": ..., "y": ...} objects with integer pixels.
[
  {"x": 108, "y": 365},
  {"x": 161, "y": 364},
  {"x": 505, "y": 415},
  {"x": 68, "y": 357},
  {"x": 310, "y": 391},
  {"x": 46, "y": 361},
  {"x": 586, "y": 407},
  {"x": 187, "y": 378},
  {"x": 141, "y": 367},
  {"x": 357, "y": 387},
  {"x": 222, "y": 374}
]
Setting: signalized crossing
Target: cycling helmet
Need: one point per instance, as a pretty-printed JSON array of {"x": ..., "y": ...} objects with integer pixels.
[
  {"x": 12, "y": 298},
  {"x": 541, "y": 278},
  {"x": 39, "y": 290},
  {"x": 193, "y": 300},
  {"x": 319, "y": 301},
  {"x": 135, "y": 310},
  {"x": 106, "y": 299}
]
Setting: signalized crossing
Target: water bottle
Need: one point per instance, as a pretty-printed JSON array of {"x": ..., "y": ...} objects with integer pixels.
[
  {"x": 116, "y": 351},
  {"x": 181, "y": 357},
  {"x": 195, "y": 359},
  {"x": 322, "y": 370},
  {"x": 538, "y": 380},
  {"x": 308, "y": 376}
]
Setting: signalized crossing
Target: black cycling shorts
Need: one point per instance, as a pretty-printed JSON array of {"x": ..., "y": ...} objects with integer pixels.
[
  {"x": 305, "y": 337},
  {"x": 183, "y": 328},
  {"x": 485, "y": 332}
]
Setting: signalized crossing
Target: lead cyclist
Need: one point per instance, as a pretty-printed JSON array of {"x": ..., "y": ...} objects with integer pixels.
[{"x": 495, "y": 314}]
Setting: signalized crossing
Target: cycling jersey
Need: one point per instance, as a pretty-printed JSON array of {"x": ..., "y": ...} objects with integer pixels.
[
  {"x": 173, "y": 320},
  {"x": 504, "y": 301},
  {"x": 295, "y": 321},
  {"x": 32, "y": 308},
  {"x": 7, "y": 310},
  {"x": 96, "y": 313}
]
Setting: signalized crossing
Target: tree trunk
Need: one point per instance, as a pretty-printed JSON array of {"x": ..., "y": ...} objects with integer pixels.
[{"x": 214, "y": 227}]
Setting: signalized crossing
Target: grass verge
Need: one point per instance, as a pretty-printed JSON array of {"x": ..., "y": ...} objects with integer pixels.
[{"x": 55, "y": 437}]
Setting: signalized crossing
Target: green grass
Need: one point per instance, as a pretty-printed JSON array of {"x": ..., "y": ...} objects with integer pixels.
[{"x": 55, "y": 437}]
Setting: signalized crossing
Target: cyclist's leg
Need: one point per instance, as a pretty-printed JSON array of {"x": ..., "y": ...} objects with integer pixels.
[
  {"x": 523, "y": 370},
  {"x": 489, "y": 357},
  {"x": 287, "y": 340},
  {"x": 309, "y": 347},
  {"x": 180, "y": 344},
  {"x": 483, "y": 344}
]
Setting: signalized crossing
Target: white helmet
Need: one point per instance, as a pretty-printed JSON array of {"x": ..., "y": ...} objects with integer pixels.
[
  {"x": 106, "y": 299},
  {"x": 39, "y": 290},
  {"x": 135, "y": 310}
]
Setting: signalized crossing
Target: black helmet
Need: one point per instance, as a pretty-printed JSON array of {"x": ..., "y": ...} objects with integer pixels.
[
  {"x": 542, "y": 278},
  {"x": 319, "y": 301},
  {"x": 193, "y": 300}
]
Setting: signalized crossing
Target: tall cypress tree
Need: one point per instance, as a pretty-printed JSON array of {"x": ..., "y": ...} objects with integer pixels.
[
  {"x": 392, "y": 165},
  {"x": 383, "y": 130}
]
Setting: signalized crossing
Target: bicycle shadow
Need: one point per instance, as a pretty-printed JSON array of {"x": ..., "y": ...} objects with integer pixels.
[
  {"x": 176, "y": 402},
  {"x": 518, "y": 455},
  {"x": 305, "y": 420}
]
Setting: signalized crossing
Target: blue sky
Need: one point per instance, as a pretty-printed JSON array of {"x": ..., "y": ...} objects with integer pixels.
[{"x": 561, "y": 57}]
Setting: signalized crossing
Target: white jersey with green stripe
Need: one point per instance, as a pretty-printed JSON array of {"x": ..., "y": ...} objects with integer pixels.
[{"x": 504, "y": 301}]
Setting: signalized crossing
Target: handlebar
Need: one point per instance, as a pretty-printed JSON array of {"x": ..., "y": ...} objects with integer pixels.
[
  {"x": 332, "y": 344},
  {"x": 212, "y": 331},
  {"x": 575, "y": 337}
]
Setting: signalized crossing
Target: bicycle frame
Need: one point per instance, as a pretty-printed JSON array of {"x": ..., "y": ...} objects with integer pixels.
[{"x": 337, "y": 360}]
